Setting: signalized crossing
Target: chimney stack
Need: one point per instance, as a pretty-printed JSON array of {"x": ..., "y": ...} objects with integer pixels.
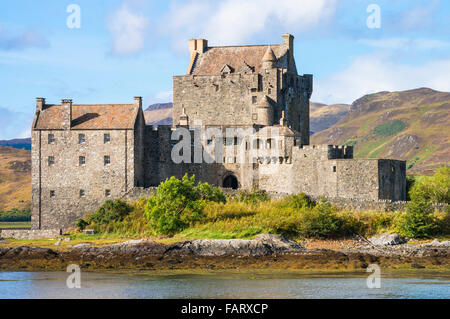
[
  {"x": 288, "y": 41},
  {"x": 198, "y": 46},
  {"x": 138, "y": 101},
  {"x": 66, "y": 105},
  {"x": 40, "y": 104}
]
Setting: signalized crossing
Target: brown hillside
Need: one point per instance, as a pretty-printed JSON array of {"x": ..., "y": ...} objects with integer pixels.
[
  {"x": 324, "y": 116},
  {"x": 410, "y": 125},
  {"x": 15, "y": 178}
]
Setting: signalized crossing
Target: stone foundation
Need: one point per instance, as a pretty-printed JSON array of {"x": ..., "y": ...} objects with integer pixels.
[{"x": 30, "y": 234}]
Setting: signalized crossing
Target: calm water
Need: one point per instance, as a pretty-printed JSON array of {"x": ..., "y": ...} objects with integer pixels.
[{"x": 223, "y": 285}]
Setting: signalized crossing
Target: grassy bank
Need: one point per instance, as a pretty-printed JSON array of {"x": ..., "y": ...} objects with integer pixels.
[{"x": 12, "y": 225}]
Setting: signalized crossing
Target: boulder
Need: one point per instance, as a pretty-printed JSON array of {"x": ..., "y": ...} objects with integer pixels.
[
  {"x": 89, "y": 232},
  {"x": 262, "y": 245},
  {"x": 82, "y": 246},
  {"x": 388, "y": 240},
  {"x": 278, "y": 242}
]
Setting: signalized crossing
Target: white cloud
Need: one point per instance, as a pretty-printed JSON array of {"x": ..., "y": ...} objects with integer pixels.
[
  {"x": 419, "y": 17},
  {"x": 374, "y": 73},
  {"x": 235, "y": 21},
  {"x": 164, "y": 96},
  {"x": 405, "y": 43},
  {"x": 127, "y": 30}
]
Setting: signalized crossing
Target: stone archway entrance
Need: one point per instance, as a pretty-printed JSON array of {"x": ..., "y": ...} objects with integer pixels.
[{"x": 231, "y": 182}]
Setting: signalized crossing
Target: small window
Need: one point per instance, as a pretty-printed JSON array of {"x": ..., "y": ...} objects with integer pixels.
[
  {"x": 52, "y": 194},
  {"x": 269, "y": 143},
  {"x": 257, "y": 144},
  {"x": 82, "y": 160},
  {"x": 51, "y": 160},
  {"x": 255, "y": 116},
  {"x": 51, "y": 138},
  {"x": 107, "y": 138},
  {"x": 108, "y": 193},
  {"x": 334, "y": 169},
  {"x": 254, "y": 99},
  {"x": 269, "y": 91},
  {"x": 209, "y": 142},
  {"x": 107, "y": 160},
  {"x": 236, "y": 140},
  {"x": 82, "y": 193},
  {"x": 81, "y": 138}
]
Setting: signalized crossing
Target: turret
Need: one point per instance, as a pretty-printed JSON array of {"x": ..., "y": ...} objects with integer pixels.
[
  {"x": 269, "y": 60},
  {"x": 264, "y": 111}
]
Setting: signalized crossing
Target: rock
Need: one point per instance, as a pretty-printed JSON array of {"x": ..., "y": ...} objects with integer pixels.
[
  {"x": 278, "y": 242},
  {"x": 262, "y": 245},
  {"x": 68, "y": 239},
  {"x": 58, "y": 242},
  {"x": 445, "y": 243},
  {"x": 438, "y": 243},
  {"x": 3, "y": 241},
  {"x": 82, "y": 246},
  {"x": 388, "y": 240},
  {"x": 89, "y": 232}
]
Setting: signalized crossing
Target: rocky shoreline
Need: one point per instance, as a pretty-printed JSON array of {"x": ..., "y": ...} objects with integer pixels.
[{"x": 263, "y": 252}]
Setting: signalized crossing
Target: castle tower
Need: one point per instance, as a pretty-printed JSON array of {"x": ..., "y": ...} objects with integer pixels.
[{"x": 264, "y": 111}]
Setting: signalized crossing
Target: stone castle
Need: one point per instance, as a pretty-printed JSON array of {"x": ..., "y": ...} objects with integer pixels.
[{"x": 83, "y": 155}]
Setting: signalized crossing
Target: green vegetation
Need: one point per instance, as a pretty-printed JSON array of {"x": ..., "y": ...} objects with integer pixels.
[
  {"x": 390, "y": 128},
  {"x": 184, "y": 209},
  {"x": 16, "y": 215},
  {"x": 178, "y": 203},
  {"x": 419, "y": 221},
  {"x": 12, "y": 225}
]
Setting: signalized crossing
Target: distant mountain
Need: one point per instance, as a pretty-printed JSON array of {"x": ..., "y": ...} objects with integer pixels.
[
  {"x": 324, "y": 116},
  {"x": 159, "y": 114},
  {"x": 22, "y": 143},
  {"x": 409, "y": 125}
]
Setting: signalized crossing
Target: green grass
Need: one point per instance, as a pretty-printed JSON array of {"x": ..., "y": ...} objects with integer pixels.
[
  {"x": 11, "y": 225},
  {"x": 239, "y": 220},
  {"x": 390, "y": 128}
]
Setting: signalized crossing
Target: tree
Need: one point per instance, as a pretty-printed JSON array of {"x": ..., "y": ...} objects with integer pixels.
[{"x": 177, "y": 203}]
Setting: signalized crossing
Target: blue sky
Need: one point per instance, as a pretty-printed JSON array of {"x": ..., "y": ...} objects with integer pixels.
[{"x": 126, "y": 48}]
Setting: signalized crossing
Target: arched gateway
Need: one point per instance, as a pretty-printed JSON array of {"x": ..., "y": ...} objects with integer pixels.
[{"x": 231, "y": 182}]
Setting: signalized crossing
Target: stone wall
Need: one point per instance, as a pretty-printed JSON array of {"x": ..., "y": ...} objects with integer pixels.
[
  {"x": 30, "y": 234},
  {"x": 57, "y": 201}
]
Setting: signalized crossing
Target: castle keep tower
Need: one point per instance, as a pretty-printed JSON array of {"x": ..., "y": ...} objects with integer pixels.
[{"x": 244, "y": 86}]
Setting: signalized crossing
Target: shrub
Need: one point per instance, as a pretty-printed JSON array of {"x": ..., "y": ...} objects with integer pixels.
[
  {"x": 298, "y": 201},
  {"x": 177, "y": 203},
  {"x": 435, "y": 189},
  {"x": 81, "y": 224},
  {"x": 418, "y": 221},
  {"x": 109, "y": 212},
  {"x": 320, "y": 222},
  {"x": 252, "y": 197}
]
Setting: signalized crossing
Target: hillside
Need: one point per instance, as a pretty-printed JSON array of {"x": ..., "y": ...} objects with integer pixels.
[
  {"x": 15, "y": 178},
  {"x": 410, "y": 125},
  {"x": 159, "y": 114},
  {"x": 324, "y": 116}
]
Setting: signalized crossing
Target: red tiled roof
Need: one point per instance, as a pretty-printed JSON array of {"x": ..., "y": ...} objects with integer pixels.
[
  {"x": 212, "y": 61},
  {"x": 88, "y": 117}
]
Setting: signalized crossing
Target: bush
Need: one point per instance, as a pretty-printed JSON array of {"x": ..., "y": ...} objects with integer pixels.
[
  {"x": 298, "y": 201},
  {"x": 252, "y": 197},
  {"x": 418, "y": 221},
  {"x": 110, "y": 211},
  {"x": 177, "y": 203},
  {"x": 81, "y": 224},
  {"x": 320, "y": 222}
]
